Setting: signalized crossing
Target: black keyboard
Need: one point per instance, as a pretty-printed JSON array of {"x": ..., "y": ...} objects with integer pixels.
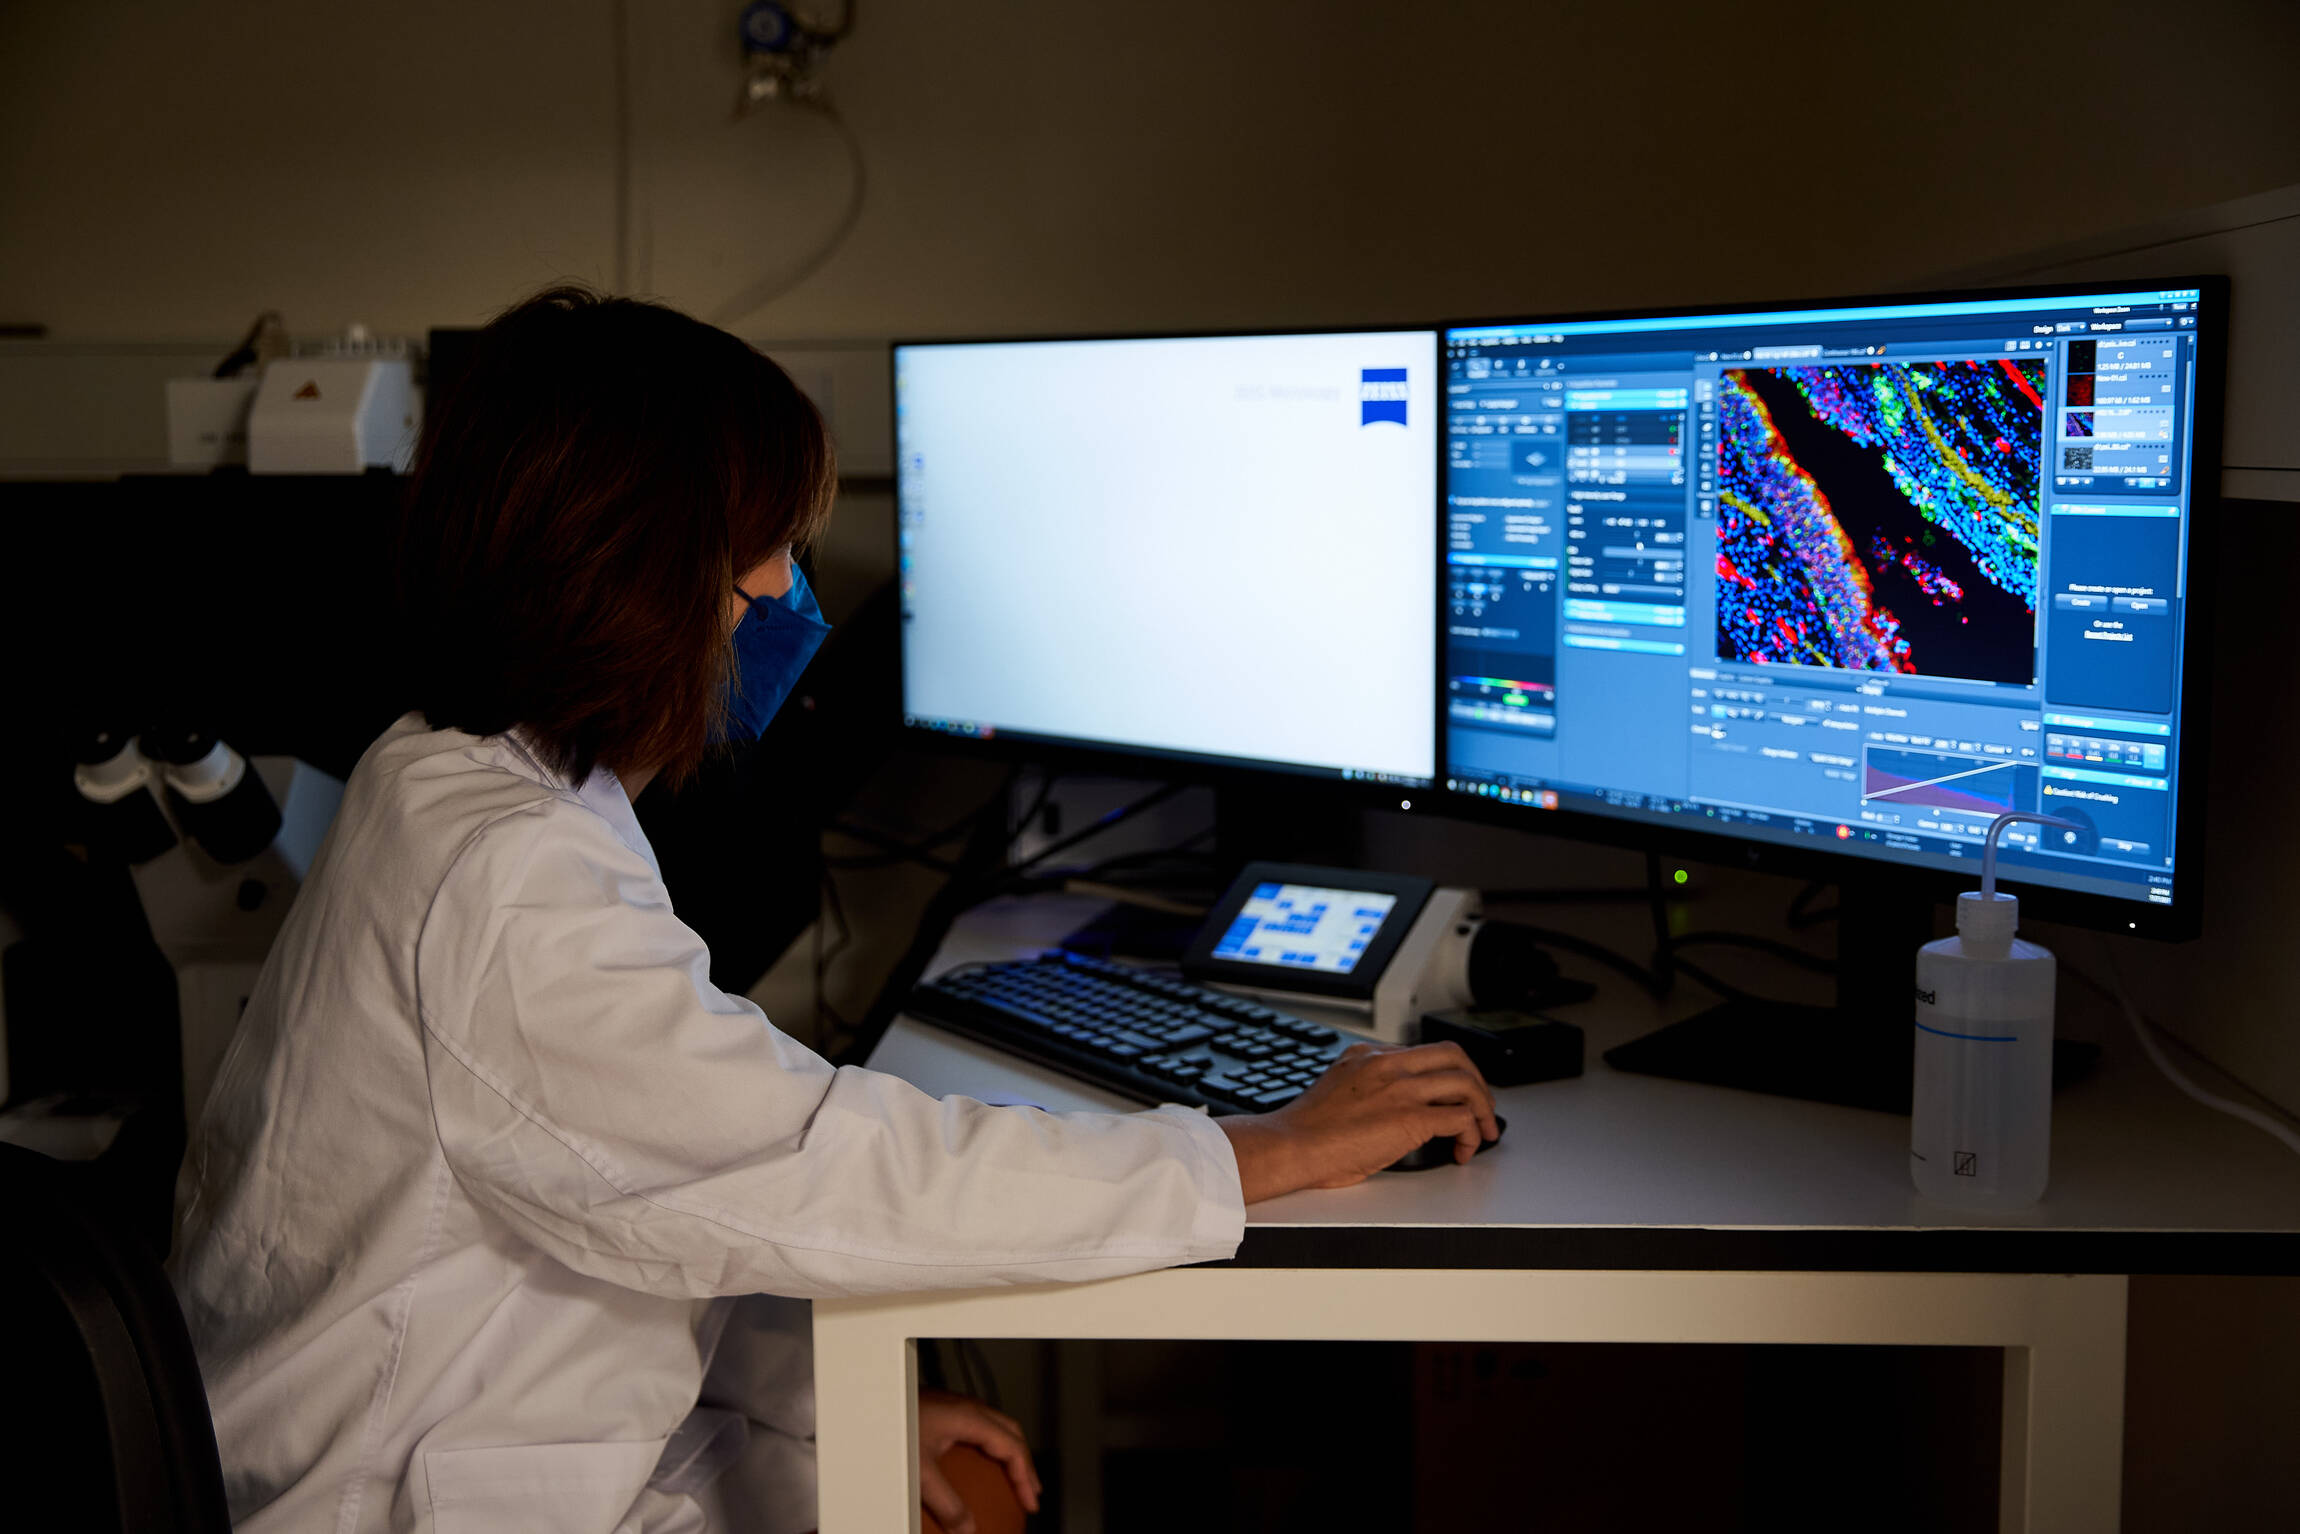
[{"x": 1145, "y": 1036}]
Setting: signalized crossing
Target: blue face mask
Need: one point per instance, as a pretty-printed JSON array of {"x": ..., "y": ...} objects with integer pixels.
[{"x": 773, "y": 643}]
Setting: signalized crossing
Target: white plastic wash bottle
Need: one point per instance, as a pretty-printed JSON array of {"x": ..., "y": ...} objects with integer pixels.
[{"x": 1980, "y": 1131}]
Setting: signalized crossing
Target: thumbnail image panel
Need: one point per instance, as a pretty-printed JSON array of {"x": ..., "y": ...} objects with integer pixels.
[{"x": 1881, "y": 516}]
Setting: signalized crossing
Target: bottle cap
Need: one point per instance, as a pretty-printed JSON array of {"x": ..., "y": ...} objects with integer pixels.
[{"x": 1987, "y": 921}]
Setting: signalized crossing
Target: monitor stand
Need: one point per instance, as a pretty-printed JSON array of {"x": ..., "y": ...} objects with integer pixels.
[{"x": 1858, "y": 1053}]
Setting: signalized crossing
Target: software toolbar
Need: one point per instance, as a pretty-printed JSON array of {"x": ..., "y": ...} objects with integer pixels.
[{"x": 1872, "y": 575}]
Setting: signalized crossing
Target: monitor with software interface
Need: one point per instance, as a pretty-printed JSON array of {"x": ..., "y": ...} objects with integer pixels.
[
  {"x": 1211, "y": 550},
  {"x": 1850, "y": 578}
]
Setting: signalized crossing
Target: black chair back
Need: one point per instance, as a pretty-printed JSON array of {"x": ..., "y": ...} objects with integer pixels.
[{"x": 106, "y": 1392}]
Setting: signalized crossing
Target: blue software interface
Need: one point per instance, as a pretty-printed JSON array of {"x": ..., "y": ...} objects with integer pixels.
[
  {"x": 1302, "y": 926},
  {"x": 1871, "y": 575}
]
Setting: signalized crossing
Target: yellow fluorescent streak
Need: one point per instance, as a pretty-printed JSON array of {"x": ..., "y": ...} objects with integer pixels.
[{"x": 1999, "y": 500}]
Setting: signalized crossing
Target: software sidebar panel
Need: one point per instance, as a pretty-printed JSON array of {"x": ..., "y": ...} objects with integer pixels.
[{"x": 1868, "y": 575}]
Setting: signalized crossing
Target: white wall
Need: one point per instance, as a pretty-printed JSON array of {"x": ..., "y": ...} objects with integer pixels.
[
  {"x": 166, "y": 171},
  {"x": 2255, "y": 243}
]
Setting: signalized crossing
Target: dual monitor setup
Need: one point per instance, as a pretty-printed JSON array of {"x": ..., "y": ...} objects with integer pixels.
[{"x": 1820, "y": 587}]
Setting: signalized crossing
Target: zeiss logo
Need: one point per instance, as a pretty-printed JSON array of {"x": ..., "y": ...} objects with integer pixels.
[{"x": 1381, "y": 395}]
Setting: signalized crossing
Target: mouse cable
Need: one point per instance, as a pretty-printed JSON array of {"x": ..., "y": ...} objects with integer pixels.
[{"x": 2145, "y": 1031}]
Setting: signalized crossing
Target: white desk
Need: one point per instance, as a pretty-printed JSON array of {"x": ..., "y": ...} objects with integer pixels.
[{"x": 1624, "y": 1208}]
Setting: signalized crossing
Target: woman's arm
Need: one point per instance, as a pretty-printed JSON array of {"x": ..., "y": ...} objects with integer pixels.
[{"x": 591, "y": 1088}]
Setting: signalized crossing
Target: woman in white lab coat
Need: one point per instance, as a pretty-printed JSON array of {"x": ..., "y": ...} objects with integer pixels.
[{"x": 489, "y": 1144}]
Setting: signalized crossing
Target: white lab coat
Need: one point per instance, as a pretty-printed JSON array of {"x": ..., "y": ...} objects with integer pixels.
[{"x": 489, "y": 1141}]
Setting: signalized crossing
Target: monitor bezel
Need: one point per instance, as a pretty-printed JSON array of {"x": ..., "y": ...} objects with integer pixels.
[
  {"x": 2179, "y": 920},
  {"x": 1076, "y": 754}
]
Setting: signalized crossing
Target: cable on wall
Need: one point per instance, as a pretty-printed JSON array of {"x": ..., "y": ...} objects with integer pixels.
[
  {"x": 784, "y": 45},
  {"x": 759, "y": 294},
  {"x": 2145, "y": 1031}
]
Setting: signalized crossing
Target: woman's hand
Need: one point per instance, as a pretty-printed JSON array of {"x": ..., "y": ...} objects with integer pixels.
[
  {"x": 945, "y": 1421},
  {"x": 1372, "y": 1105}
]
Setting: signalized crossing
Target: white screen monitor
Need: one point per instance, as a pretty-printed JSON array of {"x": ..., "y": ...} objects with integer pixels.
[{"x": 1218, "y": 549}]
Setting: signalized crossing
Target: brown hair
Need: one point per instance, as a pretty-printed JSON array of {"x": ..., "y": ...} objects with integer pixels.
[{"x": 586, "y": 495}]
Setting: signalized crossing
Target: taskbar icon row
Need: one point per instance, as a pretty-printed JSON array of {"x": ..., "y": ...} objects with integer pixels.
[
  {"x": 1387, "y": 779},
  {"x": 965, "y": 727},
  {"x": 1537, "y": 798}
]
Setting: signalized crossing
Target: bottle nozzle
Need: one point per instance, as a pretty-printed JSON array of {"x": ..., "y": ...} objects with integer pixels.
[{"x": 1989, "y": 843}]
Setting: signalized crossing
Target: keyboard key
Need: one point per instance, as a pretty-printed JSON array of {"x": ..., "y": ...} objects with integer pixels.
[{"x": 1275, "y": 1096}]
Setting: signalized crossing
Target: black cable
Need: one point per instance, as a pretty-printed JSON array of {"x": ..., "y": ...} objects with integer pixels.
[
  {"x": 926, "y": 841},
  {"x": 1801, "y": 912},
  {"x": 1101, "y": 824},
  {"x": 978, "y": 879},
  {"x": 1021, "y": 823},
  {"x": 1657, "y": 908},
  {"x": 896, "y": 848},
  {"x": 1604, "y": 894},
  {"x": 1566, "y": 942},
  {"x": 1780, "y": 950},
  {"x": 1180, "y": 855},
  {"x": 1659, "y": 979},
  {"x": 834, "y": 910},
  {"x": 892, "y": 851},
  {"x": 1702, "y": 977},
  {"x": 987, "y": 844}
]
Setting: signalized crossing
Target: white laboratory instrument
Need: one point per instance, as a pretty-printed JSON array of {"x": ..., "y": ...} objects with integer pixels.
[
  {"x": 334, "y": 415},
  {"x": 1369, "y": 951}
]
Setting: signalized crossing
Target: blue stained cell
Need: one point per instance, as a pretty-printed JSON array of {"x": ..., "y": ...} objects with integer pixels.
[
  {"x": 1265, "y": 892},
  {"x": 1253, "y": 953},
  {"x": 1354, "y": 947}
]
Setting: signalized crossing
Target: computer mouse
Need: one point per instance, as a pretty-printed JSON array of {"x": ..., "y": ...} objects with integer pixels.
[{"x": 1439, "y": 1152}]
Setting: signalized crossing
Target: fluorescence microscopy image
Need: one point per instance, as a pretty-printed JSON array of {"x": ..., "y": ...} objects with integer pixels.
[{"x": 1882, "y": 516}]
